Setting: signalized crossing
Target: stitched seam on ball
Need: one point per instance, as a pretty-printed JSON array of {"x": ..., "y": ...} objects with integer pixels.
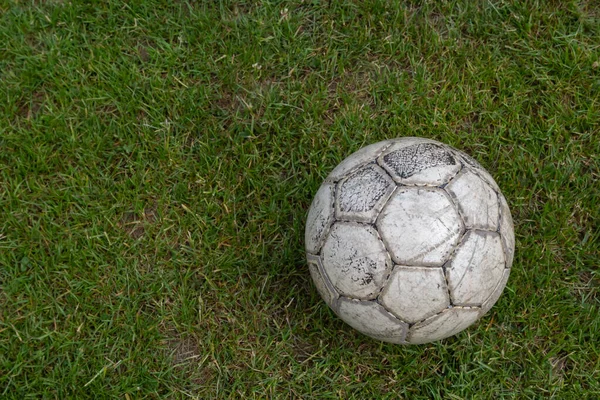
[
  {"x": 384, "y": 205},
  {"x": 445, "y": 273},
  {"x": 387, "y": 251},
  {"x": 443, "y": 185},
  {"x": 502, "y": 239},
  {"x": 495, "y": 291},
  {"x": 462, "y": 212},
  {"x": 467, "y": 305},
  {"x": 397, "y": 185},
  {"x": 352, "y": 171},
  {"x": 476, "y": 168},
  {"x": 475, "y": 171},
  {"x": 449, "y": 260},
  {"x": 454, "y": 200},
  {"x": 328, "y": 227},
  {"x": 497, "y": 203},
  {"x": 405, "y": 325},
  {"x": 384, "y": 149},
  {"x": 384, "y": 284},
  {"x": 484, "y": 230},
  {"x": 388, "y": 256},
  {"x": 326, "y": 279},
  {"x": 364, "y": 164},
  {"x": 405, "y": 330},
  {"x": 499, "y": 213},
  {"x": 462, "y": 220},
  {"x": 361, "y": 165},
  {"x": 432, "y": 317},
  {"x": 382, "y": 164},
  {"x": 389, "y": 261},
  {"x": 487, "y": 232},
  {"x": 483, "y": 178}
]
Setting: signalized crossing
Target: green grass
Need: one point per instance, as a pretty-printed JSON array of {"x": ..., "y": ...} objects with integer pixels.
[{"x": 157, "y": 160}]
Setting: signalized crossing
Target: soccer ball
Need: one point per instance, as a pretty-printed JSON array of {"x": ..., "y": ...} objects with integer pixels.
[{"x": 409, "y": 241}]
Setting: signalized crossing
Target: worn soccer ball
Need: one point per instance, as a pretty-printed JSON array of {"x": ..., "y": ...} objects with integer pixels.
[{"x": 409, "y": 241}]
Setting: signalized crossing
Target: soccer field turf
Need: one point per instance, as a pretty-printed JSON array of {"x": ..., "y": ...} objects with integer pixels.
[{"x": 157, "y": 160}]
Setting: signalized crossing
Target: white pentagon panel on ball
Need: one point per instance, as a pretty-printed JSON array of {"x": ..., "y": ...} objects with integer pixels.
[
  {"x": 423, "y": 163},
  {"x": 476, "y": 200},
  {"x": 324, "y": 287},
  {"x": 445, "y": 324},
  {"x": 476, "y": 268},
  {"x": 355, "y": 260},
  {"x": 415, "y": 293},
  {"x": 507, "y": 231},
  {"x": 419, "y": 226},
  {"x": 362, "y": 194},
  {"x": 495, "y": 296},
  {"x": 361, "y": 157},
  {"x": 319, "y": 219},
  {"x": 372, "y": 319}
]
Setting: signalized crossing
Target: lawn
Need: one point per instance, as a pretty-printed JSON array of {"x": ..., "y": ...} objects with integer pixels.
[{"x": 157, "y": 160}]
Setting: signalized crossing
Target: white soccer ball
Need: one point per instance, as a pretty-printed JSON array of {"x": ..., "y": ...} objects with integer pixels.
[{"x": 409, "y": 240}]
